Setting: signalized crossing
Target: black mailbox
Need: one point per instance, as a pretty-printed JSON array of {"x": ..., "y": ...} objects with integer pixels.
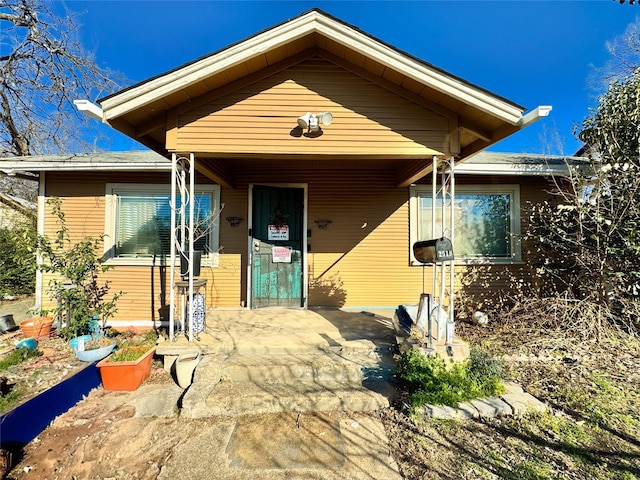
[{"x": 433, "y": 251}]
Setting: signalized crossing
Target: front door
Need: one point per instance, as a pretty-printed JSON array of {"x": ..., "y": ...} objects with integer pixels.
[{"x": 277, "y": 268}]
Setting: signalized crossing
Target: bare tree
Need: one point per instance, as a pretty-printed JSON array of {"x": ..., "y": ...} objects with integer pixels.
[
  {"x": 625, "y": 58},
  {"x": 43, "y": 68}
]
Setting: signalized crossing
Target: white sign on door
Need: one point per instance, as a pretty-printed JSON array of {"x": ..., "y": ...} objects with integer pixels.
[
  {"x": 281, "y": 254},
  {"x": 278, "y": 233}
]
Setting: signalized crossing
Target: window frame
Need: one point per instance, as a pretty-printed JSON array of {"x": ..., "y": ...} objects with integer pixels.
[
  {"x": 513, "y": 190},
  {"x": 112, "y": 190}
]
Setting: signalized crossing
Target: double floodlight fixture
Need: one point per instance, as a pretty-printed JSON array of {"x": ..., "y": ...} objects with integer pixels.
[{"x": 311, "y": 122}]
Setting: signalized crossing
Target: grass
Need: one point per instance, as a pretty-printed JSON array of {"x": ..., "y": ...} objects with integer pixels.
[
  {"x": 132, "y": 347},
  {"x": 11, "y": 399},
  {"x": 17, "y": 356},
  {"x": 13, "y": 394},
  {"x": 591, "y": 431}
]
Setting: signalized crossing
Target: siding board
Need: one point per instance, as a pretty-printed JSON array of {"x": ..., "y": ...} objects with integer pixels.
[{"x": 261, "y": 118}]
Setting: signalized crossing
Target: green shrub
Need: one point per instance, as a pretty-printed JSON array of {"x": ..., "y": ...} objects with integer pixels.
[
  {"x": 430, "y": 380},
  {"x": 17, "y": 259}
]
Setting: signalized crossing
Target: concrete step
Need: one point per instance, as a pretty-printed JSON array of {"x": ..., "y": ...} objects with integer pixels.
[
  {"x": 328, "y": 366},
  {"x": 244, "y": 384},
  {"x": 231, "y": 398}
]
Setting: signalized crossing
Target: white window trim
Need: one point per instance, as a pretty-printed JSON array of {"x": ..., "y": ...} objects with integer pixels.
[
  {"x": 511, "y": 189},
  {"x": 113, "y": 189}
]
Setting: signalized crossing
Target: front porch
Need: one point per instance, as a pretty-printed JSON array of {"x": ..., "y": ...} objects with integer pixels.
[{"x": 288, "y": 331}]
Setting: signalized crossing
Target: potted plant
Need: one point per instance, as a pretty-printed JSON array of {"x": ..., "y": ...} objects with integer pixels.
[
  {"x": 129, "y": 365},
  {"x": 90, "y": 348},
  {"x": 82, "y": 300}
]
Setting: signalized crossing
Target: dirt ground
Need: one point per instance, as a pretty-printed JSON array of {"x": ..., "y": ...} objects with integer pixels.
[{"x": 101, "y": 438}]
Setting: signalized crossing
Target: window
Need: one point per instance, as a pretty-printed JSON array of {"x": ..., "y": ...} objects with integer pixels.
[
  {"x": 487, "y": 221},
  {"x": 139, "y": 221}
]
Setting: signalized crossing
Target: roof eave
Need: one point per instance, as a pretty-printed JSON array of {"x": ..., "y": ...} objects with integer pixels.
[
  {"x": 15, "y": 168},
  {"x": 505, "y": 170}
]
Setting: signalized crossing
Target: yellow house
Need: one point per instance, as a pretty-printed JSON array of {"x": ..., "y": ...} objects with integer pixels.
[{"x": 313, "y": 145}]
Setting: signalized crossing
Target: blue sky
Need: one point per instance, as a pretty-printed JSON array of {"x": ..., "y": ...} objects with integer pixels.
[{"x": 530, "y": 52}]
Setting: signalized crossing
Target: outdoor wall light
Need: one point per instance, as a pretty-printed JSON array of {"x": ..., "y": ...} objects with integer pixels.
[
  {"x": 311, "y": 122},
  {"x": 234, "y": 221},
  {"x": 322, "y": 223}
]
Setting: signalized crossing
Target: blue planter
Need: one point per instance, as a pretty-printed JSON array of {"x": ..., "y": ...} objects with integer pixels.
[
  {"x": 92, "y": 355},
  {"x": 30, "y": 343},
  {"x": 73, "y": 343},
  {"x": 95, "y": 354}
]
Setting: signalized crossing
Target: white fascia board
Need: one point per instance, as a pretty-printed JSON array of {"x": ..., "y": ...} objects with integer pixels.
[
  {"x": 234, "y": 55},
  {"x": 517, "y": 169},
  {"x": 285, "y": 33},
  {"x": 420, "y": 72},
  {"x": 26, "y": 166}
]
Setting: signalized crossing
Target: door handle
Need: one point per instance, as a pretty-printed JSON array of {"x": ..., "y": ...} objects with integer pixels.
[{"x": 256, "y": 246}]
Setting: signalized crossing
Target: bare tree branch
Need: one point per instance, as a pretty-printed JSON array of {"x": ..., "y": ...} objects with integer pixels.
[{"x": 43, "y": 68}]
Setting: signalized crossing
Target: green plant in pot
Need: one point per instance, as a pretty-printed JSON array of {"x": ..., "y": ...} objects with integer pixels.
[
  {"x": 129, "y": 365},
  {"x": 83, "y": 301}
]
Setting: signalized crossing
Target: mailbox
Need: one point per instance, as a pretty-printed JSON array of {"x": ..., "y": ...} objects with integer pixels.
[{"x": 433, "y": 251}]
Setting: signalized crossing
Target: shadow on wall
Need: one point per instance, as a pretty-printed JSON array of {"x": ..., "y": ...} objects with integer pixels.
[{"x": 327, "y": 292}]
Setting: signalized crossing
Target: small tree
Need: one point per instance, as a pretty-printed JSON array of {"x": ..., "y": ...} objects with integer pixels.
[
  {"x": 589, "y": 236},
  {"x": 76, "y": 267}
]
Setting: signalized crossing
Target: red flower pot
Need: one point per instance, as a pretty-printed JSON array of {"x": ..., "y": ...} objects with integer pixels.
[{"x": 126, "y": 375}]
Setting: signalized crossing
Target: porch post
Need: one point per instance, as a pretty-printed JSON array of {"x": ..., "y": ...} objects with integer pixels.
[
  {"x": 452, "y": 194},
  {"x": 443, "y": 267},
  {"x": 434, "y": 205},
  {"x": 172, "y": 239},
  {"x": 192, "y": 199}
]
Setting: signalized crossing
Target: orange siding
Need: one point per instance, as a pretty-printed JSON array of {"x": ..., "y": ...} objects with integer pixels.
[
  {"x": 362, "y": 259},
  {"x": 145, "y": 287},
  {"x": 261, "y": 118}
]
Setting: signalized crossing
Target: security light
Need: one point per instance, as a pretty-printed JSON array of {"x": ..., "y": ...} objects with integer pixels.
[
  {"x": 311, "y": 122},
  {"x": 303, "y": 121}
]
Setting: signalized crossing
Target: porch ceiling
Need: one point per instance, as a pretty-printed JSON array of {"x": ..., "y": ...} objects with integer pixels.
[
  {"x": 146, "y": 112},
  {"x": 237, "y": 171}
]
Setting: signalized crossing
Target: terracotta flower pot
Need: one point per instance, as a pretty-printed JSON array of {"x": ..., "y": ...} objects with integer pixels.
[
  {"x": 126, "y": 375},
  {"x": 36, "y": 327}
]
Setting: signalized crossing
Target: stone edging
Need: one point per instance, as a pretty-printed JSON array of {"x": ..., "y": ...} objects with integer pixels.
[{"x": 514, "y": 402}]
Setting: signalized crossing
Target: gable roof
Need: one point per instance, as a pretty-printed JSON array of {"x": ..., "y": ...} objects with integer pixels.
[{"x": 484, "y": 118}]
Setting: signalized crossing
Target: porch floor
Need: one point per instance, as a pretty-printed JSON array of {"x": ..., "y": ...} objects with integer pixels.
[{"x": 287, "y": 331}]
